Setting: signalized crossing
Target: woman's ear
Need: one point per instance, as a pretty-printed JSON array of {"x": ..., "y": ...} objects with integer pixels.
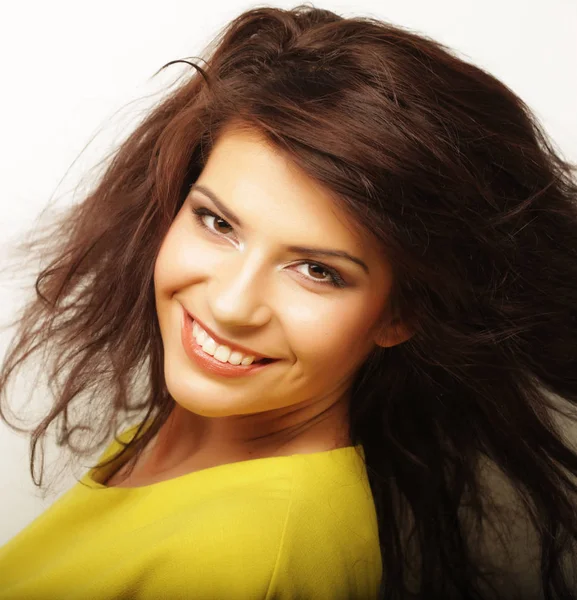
[{"x": 393, "y": 334}]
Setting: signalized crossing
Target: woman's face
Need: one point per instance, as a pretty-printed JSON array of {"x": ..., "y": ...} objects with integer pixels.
[{"x": 244, "y": 282}]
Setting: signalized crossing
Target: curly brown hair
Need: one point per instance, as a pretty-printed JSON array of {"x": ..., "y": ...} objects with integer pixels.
[{"x": 477, "y": 211}]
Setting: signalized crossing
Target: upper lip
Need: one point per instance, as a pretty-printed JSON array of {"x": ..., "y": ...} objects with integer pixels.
[{"x": 220, "y": 340}]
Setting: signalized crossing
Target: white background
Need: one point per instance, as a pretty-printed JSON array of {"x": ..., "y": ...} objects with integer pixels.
[{"x": 68, "y": 68}]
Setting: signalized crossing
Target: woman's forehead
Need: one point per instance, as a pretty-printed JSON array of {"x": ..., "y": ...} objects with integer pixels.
[{"x": 266, "y": 191}]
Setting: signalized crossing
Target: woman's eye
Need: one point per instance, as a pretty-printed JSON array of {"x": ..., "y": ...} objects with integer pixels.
[
  {"x": 334, "y": 279},
  {"x": 202, "y": 212}
]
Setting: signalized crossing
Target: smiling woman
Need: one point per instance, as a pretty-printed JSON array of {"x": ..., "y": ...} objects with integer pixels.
[
  {"x": 247, "y": 290},
  {"x": 343, "y": 263}
]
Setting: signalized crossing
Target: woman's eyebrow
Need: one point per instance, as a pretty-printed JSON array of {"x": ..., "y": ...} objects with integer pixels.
[{"x": 230, "y": 216}]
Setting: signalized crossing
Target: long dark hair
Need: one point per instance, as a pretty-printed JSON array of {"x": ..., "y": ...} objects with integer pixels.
[{"x": 463, "y": 425}]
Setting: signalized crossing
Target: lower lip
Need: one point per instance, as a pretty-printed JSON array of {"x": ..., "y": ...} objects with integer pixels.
[{"x": 208, "y": 362}]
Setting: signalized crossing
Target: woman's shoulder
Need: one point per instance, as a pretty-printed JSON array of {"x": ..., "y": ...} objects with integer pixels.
[
  {"x": 331, "y": 489},
  {"x": 308, "y": 525}
]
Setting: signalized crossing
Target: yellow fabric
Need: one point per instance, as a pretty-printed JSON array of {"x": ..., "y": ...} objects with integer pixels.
[{"x": 291, "y": 527}]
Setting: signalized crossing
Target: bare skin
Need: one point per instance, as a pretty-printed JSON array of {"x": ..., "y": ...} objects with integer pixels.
[
  {"x": 245, "y": 284},
  {"x": 316, "y": 440}
]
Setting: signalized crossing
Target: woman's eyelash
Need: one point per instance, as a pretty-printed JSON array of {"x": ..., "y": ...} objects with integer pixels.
[{"x": 336, "y": 279}]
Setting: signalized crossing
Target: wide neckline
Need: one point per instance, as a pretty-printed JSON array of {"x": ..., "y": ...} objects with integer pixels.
[{"x": 261, "y": 462}]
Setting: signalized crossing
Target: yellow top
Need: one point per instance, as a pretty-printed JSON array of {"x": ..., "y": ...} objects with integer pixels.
[{"x": 285, "y": 527}]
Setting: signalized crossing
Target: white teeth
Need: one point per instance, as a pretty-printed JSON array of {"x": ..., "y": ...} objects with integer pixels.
[
  {"x": 220, "y": 352},
  {"x": 235, "y": 357},
  {"x": 209, "y": 346}
]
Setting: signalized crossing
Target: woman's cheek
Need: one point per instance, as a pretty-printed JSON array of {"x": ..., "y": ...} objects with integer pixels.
[
  {"x": 181, "y": 260},
  {"x": 327, "y": 338}
]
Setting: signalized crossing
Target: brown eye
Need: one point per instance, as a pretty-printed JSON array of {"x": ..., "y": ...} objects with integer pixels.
[
  {"x": 201, "y": 212},
  {"x": 219, "y": 222},
  {"x": 331, "y": 277},
  {"x": 334, "y": 278},
  {"x": 318, "y": 270}
]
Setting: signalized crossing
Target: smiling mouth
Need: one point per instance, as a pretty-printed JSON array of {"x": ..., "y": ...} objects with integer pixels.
[
  {"x": 257, "y": 361},
  {"x": 211, "y": 364},
  {"x": 260, "y": 361}
]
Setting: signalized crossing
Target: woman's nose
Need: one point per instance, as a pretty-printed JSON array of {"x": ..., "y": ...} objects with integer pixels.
[{"x": 237, "y": 294}]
